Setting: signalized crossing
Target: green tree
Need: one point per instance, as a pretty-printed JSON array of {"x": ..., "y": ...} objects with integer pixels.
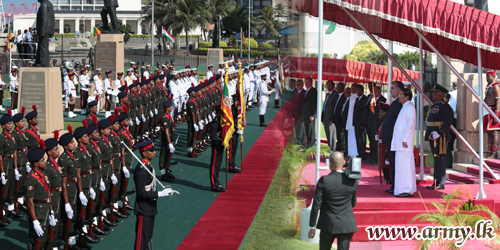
[
  {"x": 124, "y": 29},
  {"x": 361, "y": 50},
  {"x": 280, "y": 10},
  {"x": 235, "y": 19},
  {"x": 267, "y": 22},
  {"x": 377, "y": 57}
]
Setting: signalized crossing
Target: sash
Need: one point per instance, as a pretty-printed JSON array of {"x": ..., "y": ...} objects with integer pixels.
[
  {"x": 31, "y": 132},
  {"x": 38, "y": 176}
]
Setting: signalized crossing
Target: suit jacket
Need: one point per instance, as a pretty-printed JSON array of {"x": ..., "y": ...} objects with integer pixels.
[
  {"x": 297, "y": 100},
  {"x": 309, "y": 105},
  {"x": 371, "y": 120},
  {"x": 345, "y": 113},
  {"x": 357, "y": 119},
  {"x": 389, "y": 121},
  {"x": 335, "y": 196},
  {"x": 145, "y": 200},
  {"x": 337, "y": 114},
  {"x": 327, "y": 114}
]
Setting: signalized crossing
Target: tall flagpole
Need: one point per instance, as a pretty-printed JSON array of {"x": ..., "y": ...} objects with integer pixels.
[
  {"x": 319, "y": 85},
  {"x": 152, "y": 32}
]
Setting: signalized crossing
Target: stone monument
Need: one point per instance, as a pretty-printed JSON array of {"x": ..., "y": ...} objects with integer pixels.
[
  {"x": 109, "y": 53},
  {"x": 214, "y": 57}
]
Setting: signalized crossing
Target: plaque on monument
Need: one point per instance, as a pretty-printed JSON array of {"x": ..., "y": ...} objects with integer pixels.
[
  {"x": 214, "y": 57},
  {"x": 105, "y": 57}
]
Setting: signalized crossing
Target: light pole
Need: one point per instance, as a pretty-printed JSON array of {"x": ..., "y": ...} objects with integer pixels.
[
  {"x": 152, "y": 31},
  {"x": 249, "y": 18}
]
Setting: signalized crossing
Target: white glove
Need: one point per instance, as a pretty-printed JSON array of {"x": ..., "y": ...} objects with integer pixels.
[
  {"x": 239, "y": 132},
  {"x": 131, "y": 122},
  {"x": 151, "y": 114},
  {"x": 17, "y": 175},
  {"x": 143, "y": 118},
  {"x": 4, "y": 181},
  {"x": 113, "y": 179},
  {"x": 376, "y": 137},
  {"x": 52, "y": 219},
  {"x": 28, "y": 168},
  {"x": 126, "y": 172},
  {"x": 165, "y": 192},
  {"x": 103, "y": 187},
  {"x": 200, "y": 125},
  {"x": 196, "y": 128},
  {"x": 92, "y": 194},
  {"x": 38, "y": 228},
  {"x": 156, "y": 111},
  {"x": 206, "y": 121},
  {"x": 213, "y": 115},
  {"x": 69, "y": 211},
  {"x": 83, "y": 199},
  {"x": 209, "y": 118},
  {"x": 273, "y": 90},
  {"x": 435, "y": 135},
  {"x": 137, "y": 122},
  {"x": 172, "y": 148}
]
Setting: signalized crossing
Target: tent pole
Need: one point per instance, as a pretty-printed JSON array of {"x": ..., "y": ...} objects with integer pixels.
[
  {"x": 389, "y": 80},
  {"x": 481, "y": 194},
  {"x": 414, "y": 84},
  {"x": 319, "y": 85},
  {"x": 421, "y": 176}
]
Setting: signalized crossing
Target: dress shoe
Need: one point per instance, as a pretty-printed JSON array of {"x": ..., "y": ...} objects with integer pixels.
[
  {"x": 431, "y": 187},
  {"x": 3, "y": 223},
  {"x": 84, "y": 245},
  {"x": 22, "y": 207},
  {"x": 219, "y": 189},
  {"x": 173, "y": 163},
  {"x": 131, "y": 192},
  {"x": 197, "y": 154},
  {"x": 120, "y": 215},
  {"x": 106, "y": 228},
  {"x": 235, "y": 170},
  {"x": 108, "y": 223},
  {"x": 202, "y": 149},
  {"x": 263, "y": 124},
  {"x": 129, "y": 207},
  {"x": 390, "y": 190},
  {"x": 89, "y": 239},
  {"x": 19, "y": 214},
  {"x": 117, "y": 220},
  {"x": 164, "y": 177},
  {"x": 99, "y": 231},
  {"x": 250, "y": 106},
  {"x": 171, "y": 175},
  {"x": 440, "y": 186}
]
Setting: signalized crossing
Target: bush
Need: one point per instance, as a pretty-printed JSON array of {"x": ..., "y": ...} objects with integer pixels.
[
  {"x": 139, "y": 36},
  {"x": 190, "y": 36},
  {"x": 253, "y": 52},
  {"x": 65, "y": 35},
  {"x": 268, "y": 45},
  {"x": 209, "y": 44}
]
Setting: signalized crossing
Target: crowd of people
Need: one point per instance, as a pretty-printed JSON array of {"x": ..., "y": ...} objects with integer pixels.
[{"x": 72, "y": 196}]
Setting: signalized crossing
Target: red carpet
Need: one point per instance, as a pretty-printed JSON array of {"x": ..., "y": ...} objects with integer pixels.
[{"x": 225, "y": 224}]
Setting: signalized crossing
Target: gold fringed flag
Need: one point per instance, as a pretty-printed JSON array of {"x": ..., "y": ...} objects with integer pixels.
[
  {"x": 95, "y": 32},
  {"x": 9, "y": 39},
  {"x": 241, "y": 102},
  {"x": 373, "y": 103},
  {"x": 227, "y": 122}
]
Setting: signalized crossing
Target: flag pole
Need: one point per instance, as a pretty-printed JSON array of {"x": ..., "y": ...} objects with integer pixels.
[{"x": 227, "y": 156}]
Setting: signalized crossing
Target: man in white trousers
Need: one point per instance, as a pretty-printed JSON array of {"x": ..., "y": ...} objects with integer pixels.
[
  {"x": 402, "y": 142},
  {"x": 264, "y": 98},
  {"x": 277, "y": 86}
]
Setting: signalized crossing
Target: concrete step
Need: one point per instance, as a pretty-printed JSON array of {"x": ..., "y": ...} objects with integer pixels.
[{"x": 462, "y": 177}]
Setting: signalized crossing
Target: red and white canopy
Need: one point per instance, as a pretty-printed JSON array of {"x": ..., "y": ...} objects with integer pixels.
[
  {"x": 337, "y": 69},
  {"x": 456, "y": 30}
]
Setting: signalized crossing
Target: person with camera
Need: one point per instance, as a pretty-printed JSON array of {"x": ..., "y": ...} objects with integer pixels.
[{"x": 334, "y": 197}]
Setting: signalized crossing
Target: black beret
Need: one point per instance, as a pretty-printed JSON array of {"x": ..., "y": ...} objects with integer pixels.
[
  {"x": 115, "y": 119},
  {"x": 167, "y": 104},
  {"x": 31, "y": 115},
  {"x": 156, "y": 77},
  {"x": 104, "y": 123},
  {"x": 35, "y": 154},
  {"x": 51, "y": 143},
  {"x": 162, "y": 77},
  {"x": 218, "y": 76},
  {"x": 5, "y": 119},
  {"x": 122, "y": 95},
  {"x": 17, "y": 117},
  {"x": 80, "y": 132},
  {"x": 92, "y": 103},
  {"x": 65, "y": 139},
  {"x": 122, "y": 116},
  {"x": 123, "y": 88},
  {"x": 92, "y": 127},
  {"x": 191, "y": 89}
]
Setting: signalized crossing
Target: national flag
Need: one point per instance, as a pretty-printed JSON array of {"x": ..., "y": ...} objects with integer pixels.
[
  {"x": 95, "y": 32},
  {"x": 167, "y": 35},
  {"x": 227, "y": 122},
  {"x": 220, "y": 19},
  {"x": 241, "y": 103},
  {"x": 9, "y": 39},
  {"x": 373, "y": 103},
  {"x": 244, "y": 41}
]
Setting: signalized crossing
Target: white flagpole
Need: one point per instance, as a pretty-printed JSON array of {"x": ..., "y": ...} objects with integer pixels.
[{"x": 319, "y": 85}]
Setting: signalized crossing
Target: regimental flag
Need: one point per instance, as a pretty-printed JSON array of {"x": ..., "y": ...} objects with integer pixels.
[
  {"x": 95, "y": 32},
  {"x": 227, "y": 122},
  {"x": 241, "y": 103},
  {"x": 167, "y": 35},
  {"x": 9, "y": 39},
  {"x": 244, "y": 41},
  {"x": 373, "y": 103}
]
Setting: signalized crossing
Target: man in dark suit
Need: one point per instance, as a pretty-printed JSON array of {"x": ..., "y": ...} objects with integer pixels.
[
  {"x": 388, "y": 127},
  {"x": 337, "y": 117},
  {"x": 334, "y": 197},
  {"x": 293, "y": 86},
  {"x": 372, "y": 121},
  {"x": 308, "y": 115},
  {"x": 297, "y": 100},
  {"x": 327, "y": 114},
  {"x": 357, "y": 121}
]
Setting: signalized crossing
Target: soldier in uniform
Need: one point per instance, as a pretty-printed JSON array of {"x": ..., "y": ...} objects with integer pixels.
[
  {"x": 107, "y": 173},
  {"x": 134, "y": 110},
  {"x": 92, "y": 117},
  {"x": 145, "y": 202},
  {"x": 146, "y": 111},
  {"x": 86, "y": 192},
  {"x": 192, "y": 120},
  {"x": 167, "y": 143},
  {"x": 41, "y": 213},
  {"x": 32, "y": 133},
  {"x": 490, "y": 125},
  {"x": 125, "y": 161},
  {"x": 53, "y": 172},
  {"x": 23, "y": 166},
  {"x": 117, "y": 166},
  {"x": 217, "y": 151},
  {"x": 129, "y": 77},
  {"x": 107, "y": 93},
  {"x": 439, "y": 119}
]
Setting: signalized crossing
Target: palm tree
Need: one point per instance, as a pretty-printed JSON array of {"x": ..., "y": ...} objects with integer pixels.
[
  {"x": 377, "y": 57},
  {"x": 280, "y": 10},
  {"x": 268, "y": 22},
  {"x": 163, "y": 10},
  {"x": 235, "y": 19},
  {"x": 217, "y": 8}
]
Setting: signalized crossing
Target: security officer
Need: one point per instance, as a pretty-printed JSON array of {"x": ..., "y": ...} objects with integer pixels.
[
  {"x": 32, "y": 133},
  {"x": 439, "y": 119},
  {"x": 125, "y": 161},
  {"x": 167, "y": 143},
  {"x": 23, "y": 167},
  {"x": 145, "y": 202},
  {"x": 86, "y": 192},
  {"x": 217, "y": 150},
  {"x": 53, "y": 172},
  {"x": 117, "y": 166},
  {"x": 41, "y": 212},
  {"x": 69, "y": 171},
  {"x": 108, "y": 177}
]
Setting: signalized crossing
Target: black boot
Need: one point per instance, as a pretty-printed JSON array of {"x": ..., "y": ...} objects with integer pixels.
[
  {"x": 262, "y": 121},
  {"x": 276, "y": 103}
]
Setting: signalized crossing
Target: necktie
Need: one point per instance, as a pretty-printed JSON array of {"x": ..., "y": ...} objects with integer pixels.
[{"x": 326, "y": 100}]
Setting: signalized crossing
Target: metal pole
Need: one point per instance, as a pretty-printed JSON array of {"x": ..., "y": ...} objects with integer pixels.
[
  {"x": 414, "y": 84},
  {"x": 319, "y": 85},
  {"x": 389, "y": 80},
  {"x": 152, "y": 32},
  {"x": 481, "y": 194},
  {"x": 241, "y": 42},
  {"x": 420, "y": 108},
  {"x": 249, "y": 18}
]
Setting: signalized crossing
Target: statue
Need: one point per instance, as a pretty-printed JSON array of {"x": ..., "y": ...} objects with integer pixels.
[
  {"x": 109, "y": 9},
  {"x": 45, "y": 21}
]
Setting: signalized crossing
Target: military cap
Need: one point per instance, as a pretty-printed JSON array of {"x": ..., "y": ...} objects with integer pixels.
[
  {"x": 113, "y": 119},
  {"x": 13, "y": 70},
  {"x": 105, "y": 123},
  {"x": 32, "y": 114},
  {"x": 191, "y": 89},
  {"x": 167, "y": 104},
  {"x": 217, "y": 77},
  {"x": 35, "y": 154},
  {"x": 156, "y": 77},
  {"x": 122, "y": 95},
  {"x": 92, "y": 103},
  {"x": 80, "y": 132},
  {"x": 109, "y": 71},
  {"x": 92, "y": 127},
  {"x": 172, "y": 60},
  {"x": 130, "y": 70},
  {"x": 440, "y": 88},
  {"x": 5, "y": 119},
  {"x": 145, "y": 145},
  {"x": 222, "y": 63},
  {"x": 163, "y": 66},
  {"x": 161, "y": 77},
  {"x": 17, "y": 117},
  {"x": 122, "y": 116},
  {"x": 98, "y": 69},
  {"x": 82, "y": 70},
  {"x": 133, "y": 85},
  {"x": 188, "y": 67},
  {"x": 123, "y": 88},
  {"x": 132, "y": 63},
  {"x": 71, "y": 74},
  {"x": 87, "y": 66},
  {"x": 65, "y": 139},
  {"x": 120, "y": 73},
  {"x": 148, "y": 66},
  {"x": 55, "y": 60},
  {"x": 51, "y": 143},
  {"x": 210, "y": 66},
  {"x": 491, "y": 72}
]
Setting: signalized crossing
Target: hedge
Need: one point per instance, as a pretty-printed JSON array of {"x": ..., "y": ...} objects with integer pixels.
[
  {"x": 268, "y": 45},
  {"x": 139, "y": 36},
  {"x": 190, "y": 36},
  {"x": 65, "y": 35},
  {"x": 253, "y": 53},
  {"x": 209, "y": 44}
]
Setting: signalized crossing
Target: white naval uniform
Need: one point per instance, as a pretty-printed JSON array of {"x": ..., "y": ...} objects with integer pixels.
[
  {"x": 277, "y": 86},
  {"x": 256, "y": 76},
  {"x": 246, "y": 86},
  {"x": 129, "y": 79},
  {"x": 145, "y": 75},
  {"x": 209, "y": 74},
  {"x": 264, "y": 96},
  {"x": 221, "y": 72},
  {"x": 174, "y": 93},
  {"x": 70, "y": 89},
  {"x": 98, "y": 90}
]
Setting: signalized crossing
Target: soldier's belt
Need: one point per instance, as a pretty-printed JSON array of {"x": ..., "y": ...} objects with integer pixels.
[
  {"x": 434, "y": 124},
  {"x": 106, "y": 162},
  {"x": 86, "y": 172},
  {"x": 25, "y": 149},
  {"x": 30, "y": 147},
  {"x": 72, "y": 179},
  {"x": 8, "y": 156},
  {"x": 57, "y": 189},
  {"x": 117, "y": 155},
  {"x": 45, "y": 201},
  {"x": 97, "y": 167}
]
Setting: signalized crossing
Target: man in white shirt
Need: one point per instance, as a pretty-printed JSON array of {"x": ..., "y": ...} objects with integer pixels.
[
  {"x": 402, "y": 142},
  {"x": 70, "y": 86},
  {"x": 2, "y": 86},
  {"x": 352, "y": 148},
  {"x": 174, "y": 93},
  {"x": 19, "y": 41},
  {"x": 129, "y": 78},
  {"x": 13, "y": 87},
  {"x": 209, "y": 71},
  {"x": 263, "y": 98},
  {"x": 247, "y": 85},
  {"x": 84, "y": 90},
  {"x": 251, "y": 85},
  {"x": 257, "y": 77},
  {"x": 108, "y": 90},
  {"x": 221, "y": 70},
  {"x": 146, "y": 74},
  {"x": 98, "y": 88}
]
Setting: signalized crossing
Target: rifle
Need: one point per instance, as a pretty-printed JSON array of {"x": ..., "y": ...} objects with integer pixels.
[
  {"x": 37, "y": 242},
  {"x": 51, "y": 234},
  {"x": 68, "y": 227}
]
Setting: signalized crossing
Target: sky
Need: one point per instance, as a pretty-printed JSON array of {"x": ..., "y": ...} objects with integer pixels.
[{"x": 6, "y": 4}]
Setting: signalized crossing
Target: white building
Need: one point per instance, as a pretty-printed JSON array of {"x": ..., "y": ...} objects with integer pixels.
[{"x": 82, "y": 15}]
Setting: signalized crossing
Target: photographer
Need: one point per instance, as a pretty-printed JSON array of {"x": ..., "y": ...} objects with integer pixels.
[{"x": 335, "y": 196}]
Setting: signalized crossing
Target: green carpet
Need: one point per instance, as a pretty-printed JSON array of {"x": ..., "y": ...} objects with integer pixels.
[{"x": 176, "y": 215}]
